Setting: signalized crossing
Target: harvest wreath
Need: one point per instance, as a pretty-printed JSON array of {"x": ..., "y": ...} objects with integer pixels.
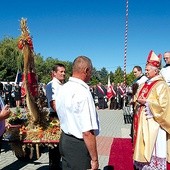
[
  {"x": 32, "y": 125},
  {"x": 18, "y": 129},
  {"x": 26, "y": 137}
]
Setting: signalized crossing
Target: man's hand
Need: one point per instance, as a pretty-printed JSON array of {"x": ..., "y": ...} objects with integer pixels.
[
  {"x": 94, "y": 164},
  {"x": 90, "y": 141},
  {"x": 5, "y": 112},
  {"x": 52, "y": 104},
  {"x": 141, "y": 100}
]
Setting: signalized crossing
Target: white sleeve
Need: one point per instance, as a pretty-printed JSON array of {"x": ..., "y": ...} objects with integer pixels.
[{"x": 148, "y": 111}]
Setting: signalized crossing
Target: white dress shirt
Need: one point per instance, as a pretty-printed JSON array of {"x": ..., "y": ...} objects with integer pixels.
[
  {"x": 142, "y": 80},
  {"x": 76, "y": 109},
  {"x": 52, "y": 89},
  {"x": 165, "y": 72}
]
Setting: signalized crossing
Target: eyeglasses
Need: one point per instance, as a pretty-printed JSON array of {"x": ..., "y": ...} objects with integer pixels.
[{"x": 165, "y": 58}]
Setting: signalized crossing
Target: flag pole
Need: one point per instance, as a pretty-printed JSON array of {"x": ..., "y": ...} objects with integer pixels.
[
  {"x": 125, "y": 48},
  {"x": 16, "y": 78}
]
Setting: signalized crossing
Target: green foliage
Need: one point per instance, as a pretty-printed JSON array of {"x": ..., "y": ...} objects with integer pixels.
[
  {"x": 104, "y": 75},
  {"x": 11, "y": 59},
  {"x": 118, "y": 75},
  {"x": 99, "y": 76},
  {"x": 41, "y": 69},
  {"x": 68, "y": 66},
  {"x": 8, "y": 59},
  {"x": 130, "y": 78}
]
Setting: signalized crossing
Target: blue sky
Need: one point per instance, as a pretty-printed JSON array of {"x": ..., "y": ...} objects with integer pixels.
[{"x": 65, "y": 29}]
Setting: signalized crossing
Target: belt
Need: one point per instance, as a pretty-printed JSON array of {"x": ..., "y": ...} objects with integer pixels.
[{"x": 72, "y": 136}]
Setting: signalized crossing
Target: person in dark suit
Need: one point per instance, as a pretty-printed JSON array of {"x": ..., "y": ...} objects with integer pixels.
[
  {"x": 7, "y": 91},
  {"x": 113, "y": 101},
  {"x": 17, "y": 92},
  {"x": 1, "y": 88},
  {"x": 120, "y": 95},
  {"x": 101, "y": 93}
]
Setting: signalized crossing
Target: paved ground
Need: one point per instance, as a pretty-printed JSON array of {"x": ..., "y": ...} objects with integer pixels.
[{"x": 112, "y": 125}]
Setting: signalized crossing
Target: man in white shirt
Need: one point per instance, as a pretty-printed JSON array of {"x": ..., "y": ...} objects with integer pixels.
[
  {"x": 52, "y": 88},
  {"x": 78, "y": 119},
  {"x": 165, "y": 71},
  {"x": 140, "y": 79}
]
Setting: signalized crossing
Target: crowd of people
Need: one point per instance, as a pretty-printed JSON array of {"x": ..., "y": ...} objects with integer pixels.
[
  {"x": 74, "y": 104},
  {"x": 12, "y": 95},
  {"x": 99, "y": 93}
]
